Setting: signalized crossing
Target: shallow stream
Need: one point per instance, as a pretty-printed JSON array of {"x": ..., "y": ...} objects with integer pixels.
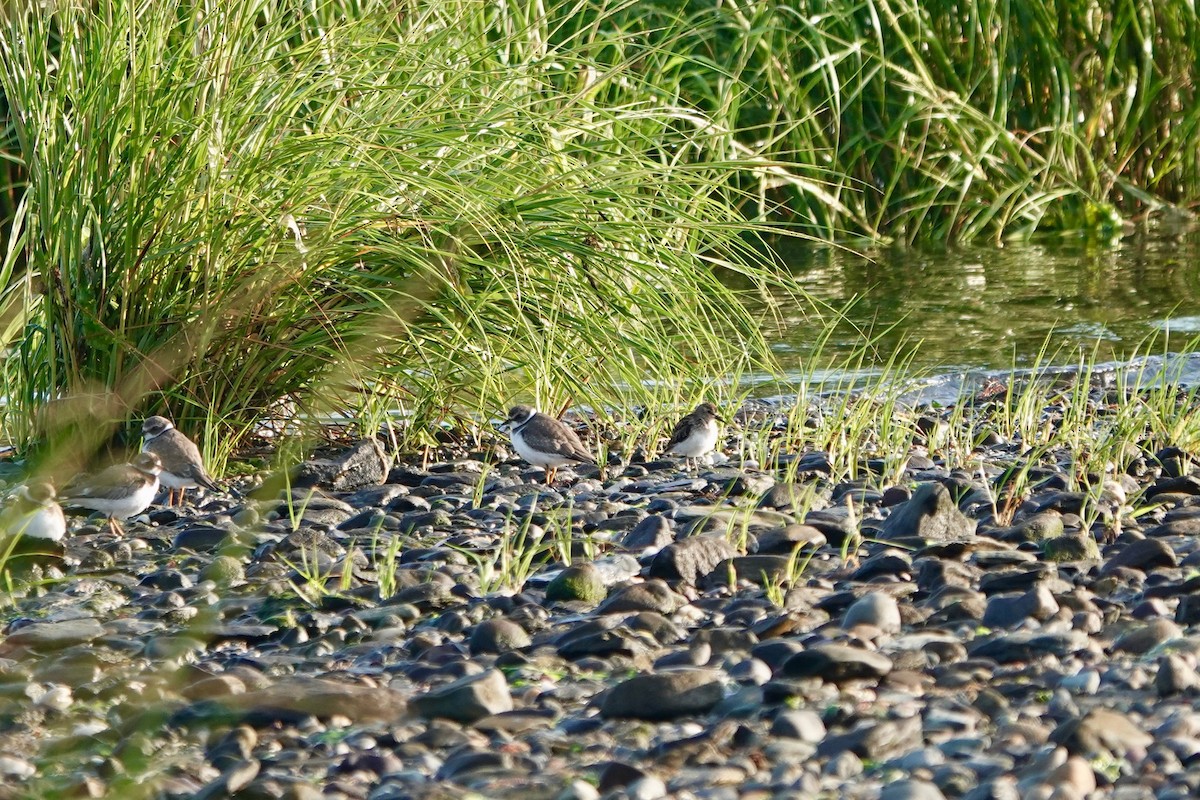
[{"x": 962, "y": 314}]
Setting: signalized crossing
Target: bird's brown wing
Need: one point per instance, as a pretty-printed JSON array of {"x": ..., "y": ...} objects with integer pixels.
[
  {"x": 119, "y": 480},
  {"x": 557, "y": 438},
  {"x": 682, "y": 430}
]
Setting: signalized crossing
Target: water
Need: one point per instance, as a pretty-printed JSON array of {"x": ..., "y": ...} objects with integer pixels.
[{"x": 965, "y": 313}]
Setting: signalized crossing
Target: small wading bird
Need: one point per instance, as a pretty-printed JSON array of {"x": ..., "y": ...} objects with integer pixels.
[
  {"x": 544, "y": 441},
  {"x": 696, "y": 434},
  {"x": 121, "y": 491},
  {"x": 182, "y": 466},
  {"x": 34, "y": 519}
]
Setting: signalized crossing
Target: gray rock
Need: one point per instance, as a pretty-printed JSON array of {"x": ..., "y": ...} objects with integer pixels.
[
  {"x": 364, "y": 464},
  {"x": 911, "y": 789},
  {"x": 876, "y": 609},
  {"x": 1142, "y": 554},
  {"x": 324, "y": 698},
  {"x": 652, "y": 533},
  {"x": 1175, "y": 676},
  {"x": 664, "y": 695},
  {"x": 877, "y": 740},
  {"x": 836, "y": 663},
  {"x": 930, "y": 515},
  {"x": 582, "y": 583},
  {"x": 801, "y": 724},
  {"x": 498, "y": 636},
  {"x": 762, "y": 570},
  {"x": 1006, "y": 611},
  {"x": 649, "y": 596},
  {"x": 1141, "y": 639},
  {"x": 1103, "y": 733},
  {"x": 55, "y": 635},
  {"x": 690, "y": 559},
  {"x": 784, "y": 540},
  {"x": 467, "y": 699}
]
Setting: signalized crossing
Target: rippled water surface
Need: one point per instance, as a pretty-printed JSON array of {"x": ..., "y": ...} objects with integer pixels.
[{"x": 963, "y": 313}]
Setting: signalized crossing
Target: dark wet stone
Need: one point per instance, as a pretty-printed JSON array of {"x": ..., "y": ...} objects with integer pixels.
[
  {"x": 498, "y": 636},
  {"x": 467, "y": 699},
  {"x": 201, "y": 538},
  {"x": 620, "y": 641},
  {"x": 1006, "y": 611},
  {"x": 363, "y": 464},
  {"x": 1103, "y": 733},
  {"x": 652, "y": 595},
  {"x": 166, "y": 580},
  {"x": 691, "y": 559},
  {"x": 664, "y": 695},
  {"x": 582, "y": 583},
  {"x": 1186, "y": 484},
  {"x": 930, "y": 515},
  {"x": 836, "y": 663},
  {"x": 876, "y": 609},
  {"x": 1029, "y": 645},
  {"x": 785, "y": 496},
  {"x": 1142, "y": 554},
  {"x": 1021, "y": 579},
  {"x": 775, "y": 652},
  {"x": 886, "y": 564}
]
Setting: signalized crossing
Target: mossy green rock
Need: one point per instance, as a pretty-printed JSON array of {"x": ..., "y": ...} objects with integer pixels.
[
  {"x": 1071, "y": 548},
  {"x": 582, "y": 583},
  {"x": 1040, "y": 527},
  {"x": 224, "y": 571}
]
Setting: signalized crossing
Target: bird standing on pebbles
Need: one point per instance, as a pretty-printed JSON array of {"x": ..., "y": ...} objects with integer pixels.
[
  {"x": 182, "y": 466},
  {"x": 34, "y": 516},
  {"x": 696, "y": 434},
  {"x": 544, "y": 441},
  {"x": 121, "y": 491}
]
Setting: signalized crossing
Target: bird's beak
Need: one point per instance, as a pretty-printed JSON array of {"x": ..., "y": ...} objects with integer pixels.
[{"x": 719, "y": 418}]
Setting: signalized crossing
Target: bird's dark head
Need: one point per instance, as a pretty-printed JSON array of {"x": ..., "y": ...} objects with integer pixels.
[
  {"x": 708, "y": 410},
  {"x": 519, "y": 415},
  {"x": 155, "y": 426}
]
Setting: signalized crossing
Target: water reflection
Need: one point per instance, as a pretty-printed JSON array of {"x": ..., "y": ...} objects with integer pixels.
[{"x": 992, "y": 309}]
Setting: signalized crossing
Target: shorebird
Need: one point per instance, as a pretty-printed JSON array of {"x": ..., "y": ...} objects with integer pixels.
[
  {"x": 544, "y": 441},
  {"x": 696, "y": 435},
  {"x": 34, "y": 515},
  {"x": 121, "y": 491},
  {"x": 182, "y": 466}
]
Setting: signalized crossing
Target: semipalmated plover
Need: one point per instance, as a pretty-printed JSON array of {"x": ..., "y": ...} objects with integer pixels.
[
  {"x": 544, "y": 441},
  {"x": 120, "y": 491},
  {"x": 182, "y": 466},
  {"x": 34, "y": 514},
  {"x": 695, "y": 435}
]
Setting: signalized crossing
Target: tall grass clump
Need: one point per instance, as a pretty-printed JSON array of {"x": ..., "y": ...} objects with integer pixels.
[
  {"x": 253, "y": 208},
  {"x": 940, "y": 121}
]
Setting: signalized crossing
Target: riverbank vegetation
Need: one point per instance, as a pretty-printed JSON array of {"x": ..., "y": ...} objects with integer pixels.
[{"x": 255, "y": 209}]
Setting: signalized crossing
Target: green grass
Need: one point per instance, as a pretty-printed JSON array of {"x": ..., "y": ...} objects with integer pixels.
[{"x": 259, "y": 210}]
